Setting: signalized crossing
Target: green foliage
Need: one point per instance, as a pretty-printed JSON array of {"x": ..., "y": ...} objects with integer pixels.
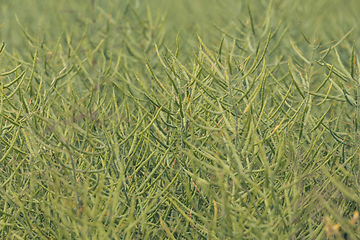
[{"x": 217, "y": 120}]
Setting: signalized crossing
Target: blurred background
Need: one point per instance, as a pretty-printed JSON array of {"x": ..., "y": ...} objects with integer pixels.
[{"x": 188, "y": 16}]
